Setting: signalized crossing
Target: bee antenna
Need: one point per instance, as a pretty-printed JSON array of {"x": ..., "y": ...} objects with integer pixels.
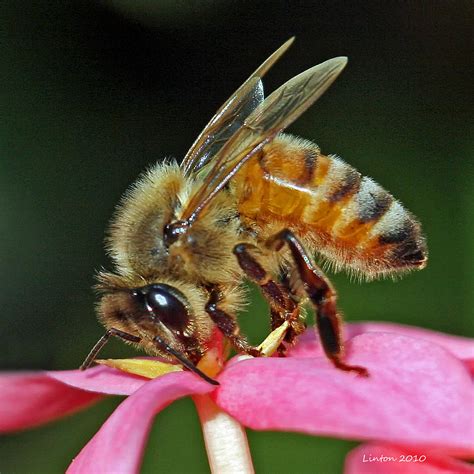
[{"x": 187, "y": 363}]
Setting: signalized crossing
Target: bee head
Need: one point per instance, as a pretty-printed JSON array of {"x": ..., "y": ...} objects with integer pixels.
[{"x": 171, "y": 311}]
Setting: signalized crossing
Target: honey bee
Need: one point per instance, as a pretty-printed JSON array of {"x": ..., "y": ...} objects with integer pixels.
[{"x": 248, "y": 202}]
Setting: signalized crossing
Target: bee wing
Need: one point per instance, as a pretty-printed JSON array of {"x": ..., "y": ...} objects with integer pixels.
[
  {"x": 230, "y": 117},
  {"x": 223, "y": 125},
  {"x": 272, "y": 116}
]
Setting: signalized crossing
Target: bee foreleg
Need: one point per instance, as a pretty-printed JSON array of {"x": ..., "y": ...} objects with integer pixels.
[
  {"x": 103, "y": 341},
  {"x": 228, "y": 325},
  {"x": 323, "y": 297},
  {"x": 282, "y": 306}
]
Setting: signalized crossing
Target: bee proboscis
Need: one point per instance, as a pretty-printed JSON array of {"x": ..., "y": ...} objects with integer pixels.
[{"x": 248, "y": 202}]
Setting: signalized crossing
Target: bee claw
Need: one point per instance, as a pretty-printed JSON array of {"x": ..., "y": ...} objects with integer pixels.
[{"x": 361, "y": 371}]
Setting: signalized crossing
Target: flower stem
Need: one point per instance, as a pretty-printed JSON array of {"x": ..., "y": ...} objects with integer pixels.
[{"x": 226, "y": 441}]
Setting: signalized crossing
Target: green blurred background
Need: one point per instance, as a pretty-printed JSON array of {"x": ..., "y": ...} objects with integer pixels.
[{"x": 92, "y": 93}]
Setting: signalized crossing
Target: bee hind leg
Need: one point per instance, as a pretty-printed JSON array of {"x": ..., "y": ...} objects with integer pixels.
[
  {"x": 322, "y": 296},
  {"x": 227, "y": 324}
]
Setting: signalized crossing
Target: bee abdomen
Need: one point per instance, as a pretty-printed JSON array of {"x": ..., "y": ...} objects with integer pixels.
[
  {"x": 400, "y": 232},
  {"x": 347, "y": 217},
  {"x": 372, "y": 200}
]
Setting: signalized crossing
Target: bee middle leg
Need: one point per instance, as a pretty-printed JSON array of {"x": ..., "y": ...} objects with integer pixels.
[
  {"x": 323, "y": 297},
  {"x": 227, "y": 324},
  {"x": 282, "y": 306}
]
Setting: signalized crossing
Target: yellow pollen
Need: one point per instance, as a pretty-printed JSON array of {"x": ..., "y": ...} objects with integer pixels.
[
  {"x": 273, "y": 340},
  {"x": 144, "y": 367}
]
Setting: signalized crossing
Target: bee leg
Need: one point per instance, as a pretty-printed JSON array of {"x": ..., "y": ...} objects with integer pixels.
[
  {"x": 323, "y": 297},
  {"x": 228, "y": 325},
  {"x": 103, "y": 341},
  {"x": 282, "y": 306}
]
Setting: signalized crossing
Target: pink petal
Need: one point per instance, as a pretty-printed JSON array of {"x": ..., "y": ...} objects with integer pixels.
[
  {"x": 30, "y": 399},
  {"x": 461, "y": 347},
  {"x": 417, "y": 393},
  {"x": 101, "y": 379},
  {"x": 374, "y": 458},
  {"x": 118, "y": 445}
]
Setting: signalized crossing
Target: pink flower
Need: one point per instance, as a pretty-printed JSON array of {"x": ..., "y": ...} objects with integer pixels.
[{"x": 418, "y": 400}]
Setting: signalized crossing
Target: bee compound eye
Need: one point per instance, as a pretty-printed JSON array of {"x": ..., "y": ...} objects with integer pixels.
[{"x": 165, "y": 304}]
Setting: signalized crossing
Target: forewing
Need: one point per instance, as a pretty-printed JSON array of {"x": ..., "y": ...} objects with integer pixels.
[
  {"x": 230, "y": 117},
  {"x": 272, "y": 116},
  {"x": 223, "y": 125}
]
